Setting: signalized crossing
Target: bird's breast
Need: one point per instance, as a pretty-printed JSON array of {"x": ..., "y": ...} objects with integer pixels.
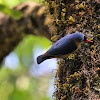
[{"x": 65, "y": 56}]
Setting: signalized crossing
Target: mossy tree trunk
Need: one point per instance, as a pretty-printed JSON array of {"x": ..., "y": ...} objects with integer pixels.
[{"x": 77, "y": 77}]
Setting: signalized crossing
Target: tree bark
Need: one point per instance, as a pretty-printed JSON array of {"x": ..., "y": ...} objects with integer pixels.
[
  {"x": 35, "y": 21},
  {"x": 77, "y": 77}
]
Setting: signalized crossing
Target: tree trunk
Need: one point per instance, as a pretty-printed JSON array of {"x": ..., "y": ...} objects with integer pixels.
[
  {"x": 35, "y": 21},
  {"x": 77, "y": 77}
]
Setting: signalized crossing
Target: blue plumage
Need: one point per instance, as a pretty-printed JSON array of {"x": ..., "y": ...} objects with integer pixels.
[{"x": 63, "y": 47}]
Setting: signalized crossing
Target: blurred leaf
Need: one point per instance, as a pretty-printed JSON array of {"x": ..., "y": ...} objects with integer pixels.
[
  {"x": 14, "y": 13},
  {"x": 13, "y": 3},
  {"x": 20, "y": 95},
  {"x": 9, "y": 89},
  {"x": 26, "y": 47}
]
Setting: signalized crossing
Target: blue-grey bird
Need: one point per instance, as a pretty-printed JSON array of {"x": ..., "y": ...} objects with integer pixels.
[{"x": 63, "y": 47}]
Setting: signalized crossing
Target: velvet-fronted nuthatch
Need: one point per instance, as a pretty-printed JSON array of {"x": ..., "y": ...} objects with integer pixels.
[{"x": 63, "y": 47}]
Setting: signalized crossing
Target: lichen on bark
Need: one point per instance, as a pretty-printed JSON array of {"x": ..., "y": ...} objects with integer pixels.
[{"x": 77, "y": 77}]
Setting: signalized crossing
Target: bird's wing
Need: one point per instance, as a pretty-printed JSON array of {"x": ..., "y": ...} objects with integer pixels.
[{"x": 62, "y": 48}]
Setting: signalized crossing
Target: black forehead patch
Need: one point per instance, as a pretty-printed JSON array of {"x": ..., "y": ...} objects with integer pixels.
[{"x": 84, "y": 38}]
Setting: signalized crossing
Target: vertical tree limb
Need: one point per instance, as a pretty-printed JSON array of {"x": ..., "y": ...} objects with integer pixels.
[{"x": 78, "y": 76}]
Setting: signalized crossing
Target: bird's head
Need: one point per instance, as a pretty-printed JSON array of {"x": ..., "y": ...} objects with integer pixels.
[{"x": 79, "y": 37}]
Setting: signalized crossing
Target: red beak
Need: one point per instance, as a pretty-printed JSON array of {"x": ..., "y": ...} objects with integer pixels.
[{"x": 89, "y": 41}]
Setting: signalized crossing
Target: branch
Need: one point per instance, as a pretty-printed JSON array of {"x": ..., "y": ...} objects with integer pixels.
[{"x": 12, "y": 31}]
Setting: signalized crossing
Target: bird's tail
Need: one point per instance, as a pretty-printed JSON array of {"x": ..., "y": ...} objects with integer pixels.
[{"x": 40, "y": 59}]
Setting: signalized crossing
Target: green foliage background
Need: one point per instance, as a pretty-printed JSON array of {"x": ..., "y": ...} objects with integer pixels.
[{"x": 17, "y": 83}]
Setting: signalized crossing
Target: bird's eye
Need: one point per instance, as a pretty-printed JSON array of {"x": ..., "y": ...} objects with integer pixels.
[{"x": 84, "y": 38}]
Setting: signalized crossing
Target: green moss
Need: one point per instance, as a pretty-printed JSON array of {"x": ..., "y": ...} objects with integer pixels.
[
  {"x": 81, "y": 6},
  {"x": 75, "y": 74}
]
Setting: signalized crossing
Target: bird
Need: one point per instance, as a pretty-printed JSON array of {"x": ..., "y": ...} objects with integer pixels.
[{"x": 63, "y": 47}]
